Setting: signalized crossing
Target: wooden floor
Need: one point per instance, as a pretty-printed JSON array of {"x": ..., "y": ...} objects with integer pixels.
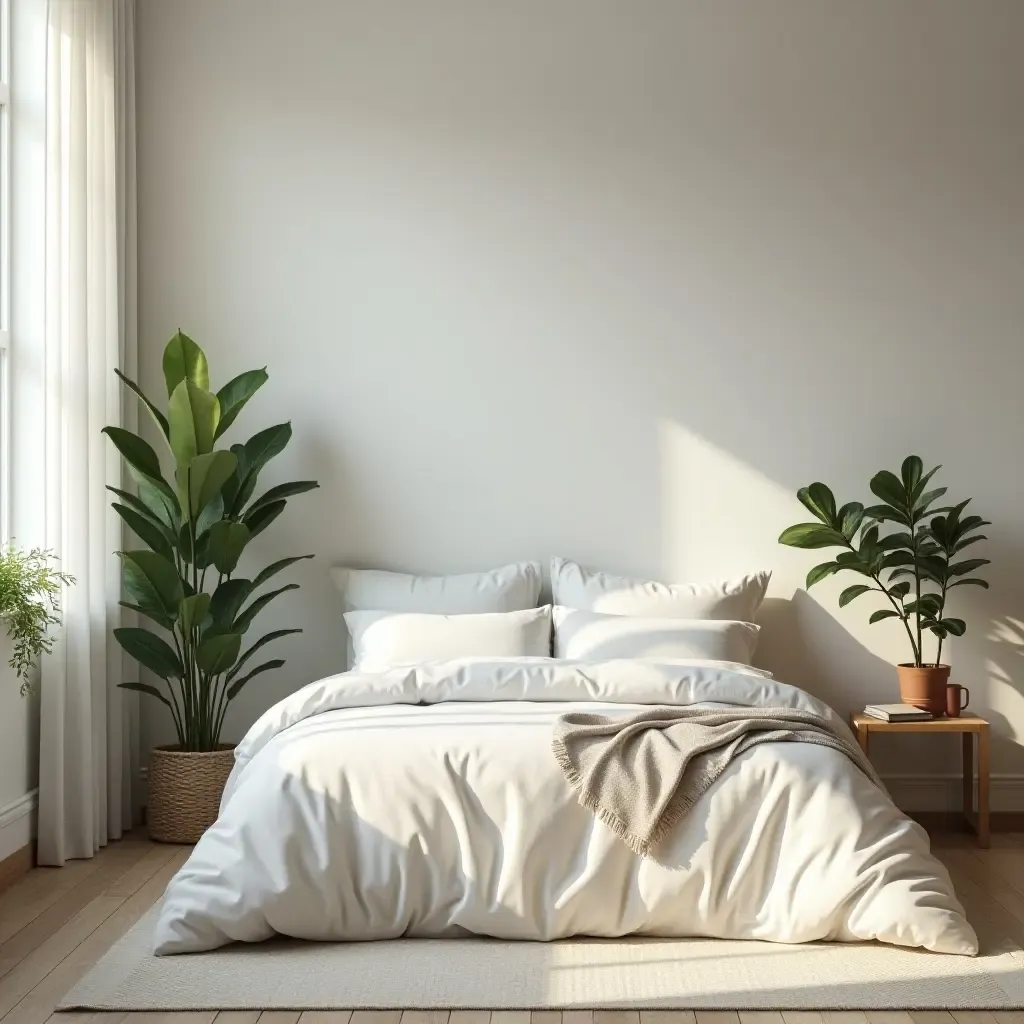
[{"x": 55, "y": 923}]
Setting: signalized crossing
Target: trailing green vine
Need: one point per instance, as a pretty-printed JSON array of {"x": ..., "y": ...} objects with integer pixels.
[{"x": 30, "y": 589}]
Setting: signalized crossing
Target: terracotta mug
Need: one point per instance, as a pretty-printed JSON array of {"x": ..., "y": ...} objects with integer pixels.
[{"x": 953, "y": 704}]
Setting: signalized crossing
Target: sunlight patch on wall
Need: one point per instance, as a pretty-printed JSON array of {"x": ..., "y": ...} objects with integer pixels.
[{"x": 722, "y": 517}]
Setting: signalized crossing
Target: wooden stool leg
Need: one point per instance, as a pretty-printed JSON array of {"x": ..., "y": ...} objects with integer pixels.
[
  {"x": 968, "y": 748},
  {"x": 862, "y": 738},
  {"x": 983, "y": 788}
]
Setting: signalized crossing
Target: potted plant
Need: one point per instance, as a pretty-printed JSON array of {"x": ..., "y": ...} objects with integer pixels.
[
  {"x": 29, "y": 605},
  {"x": 913, "y": 565},
  {"x": 184, "y": 580}
]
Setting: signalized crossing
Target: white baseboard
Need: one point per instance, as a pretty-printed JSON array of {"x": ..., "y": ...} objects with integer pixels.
[
  {"x": 944, "y": 792},
  {"x": 18, "y": 823}
]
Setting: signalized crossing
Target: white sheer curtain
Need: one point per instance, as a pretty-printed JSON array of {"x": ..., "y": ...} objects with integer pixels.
[{"x": 88, "y": 754}]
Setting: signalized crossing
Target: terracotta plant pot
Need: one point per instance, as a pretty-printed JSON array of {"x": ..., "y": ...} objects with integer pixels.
[
  {"x": 924, "y": 687},
  {"x": 184, "y": 791}
]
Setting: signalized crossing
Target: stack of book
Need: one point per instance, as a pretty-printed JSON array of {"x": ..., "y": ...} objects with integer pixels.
[{"x": 897, "y": 713}]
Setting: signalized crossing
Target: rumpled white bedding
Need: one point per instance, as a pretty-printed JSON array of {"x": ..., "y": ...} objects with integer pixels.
[{"x": 425, "y": 801}]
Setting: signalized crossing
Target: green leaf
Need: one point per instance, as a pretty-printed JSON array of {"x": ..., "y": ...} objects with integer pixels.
[
  {"x": 153, "y": 535},
  {"x": 811, "y": 535},
  {"x": 820, "y": 572},
  {"x": 213, "y": 512},
  {"x": 820, "y": 502},
  {"x": 234, "y": 482},
  {"x": 926, "y": 604},
  {"x": 884, "y": 613},
  {"x": 158, "y": 417},
  {"x": 198, "y": 558},
  {"x": 849, "y": 518},
  {"x": 226, "y": 602},
  {"x": 192, "y": 611},
  {"x": 216, "y": 654},
  {"x": 159, "y": 497},
  {"x": 226, "y": 543},
  {"x": 235, "y": 394},
  {"x": 893, "y": 541},
  {"x": 957, "y": 627},
  {"x": 852, "y": 561},
  {"x": 899, "y": 590},
  {"x": 922, "y": 503},
  {"x": 185, "y": 360},
  {"x": 244, "y": 621},
  {"x": 258, "y": 451},
  {"x": 911, "y": 472},
  {"x": 194, "y": 415},
  {"x": 275, "y": 567},
  {"x": 282, "y": 491},
  {"x": 967, "y": 542},
  {"x": 239, "y": 683},
  {"x": 919, "y": 487},
  {"x": 889, "y": 488},
  {"x": 262, "y": 642},
  {"x": 144, "y": 467},
  {"x": 851, "y": 593},
  {"x": 897, "y": 558},
  {"x": 150, "y": 650},
  {"x": 883, "y": 513},
  {"x": 136, "y": 452},
  {"x": 138, "y": 505},
  {"x": 969, "y": 565},
  {"x": 259, "y": 520},
  {"x": 971, "y": 581},
  {"x": 152, "y": 582},
  {"x": 932, "y": 567},
  {"x": 971, "y": 523},
  {"x": 160, "y": 617},
  {"x": 145, "y": 688},
  {"x": 205, "y": 476}
]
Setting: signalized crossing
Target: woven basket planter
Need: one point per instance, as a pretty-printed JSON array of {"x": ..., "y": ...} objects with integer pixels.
[{"x": 184, "y": 791}]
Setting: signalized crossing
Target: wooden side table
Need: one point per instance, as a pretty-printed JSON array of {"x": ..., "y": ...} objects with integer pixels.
[{"x": 975, "y": 733}]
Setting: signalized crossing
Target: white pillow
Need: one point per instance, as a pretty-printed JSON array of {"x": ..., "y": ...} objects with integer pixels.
[
  {"x": 576, "y": 587},
  {"x": 594, "y": 636},
  {"x": 507, "y": 589},
  {"x": 383, "y": 639}
]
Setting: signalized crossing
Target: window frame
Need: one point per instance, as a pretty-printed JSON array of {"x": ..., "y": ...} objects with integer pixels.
[{"x": 5, "y": 271}]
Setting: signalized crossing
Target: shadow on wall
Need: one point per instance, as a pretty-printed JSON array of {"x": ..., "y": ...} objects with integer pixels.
[{"x": 723, "y": 517}]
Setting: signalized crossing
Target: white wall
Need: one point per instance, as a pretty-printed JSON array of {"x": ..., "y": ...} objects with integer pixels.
[
  {"x": 606, "y": 280},
  {"x": 19, "y": 717}
]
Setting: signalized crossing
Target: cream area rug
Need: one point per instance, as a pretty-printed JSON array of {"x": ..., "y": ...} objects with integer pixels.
[{"x": 575, "y": 974}]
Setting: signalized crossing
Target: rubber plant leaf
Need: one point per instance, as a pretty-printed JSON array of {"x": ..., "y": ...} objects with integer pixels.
[
  {"x": 185, "y": 360},
  {"x": 235, "y": 394}
]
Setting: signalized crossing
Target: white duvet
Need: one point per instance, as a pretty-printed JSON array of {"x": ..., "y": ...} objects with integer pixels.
[{"x": 425, "y": 801}]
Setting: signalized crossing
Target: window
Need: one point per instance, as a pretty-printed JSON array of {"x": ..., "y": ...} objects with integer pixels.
[{"x": 5, "y": 268}]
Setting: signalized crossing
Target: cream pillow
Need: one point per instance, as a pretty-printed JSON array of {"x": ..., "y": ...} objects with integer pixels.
[
  {"x": 594, "y": 636},
  {"x": 576, "y": 587},
  {"x": 382, "y": 639},
  {"x": 508, "y": 589}
]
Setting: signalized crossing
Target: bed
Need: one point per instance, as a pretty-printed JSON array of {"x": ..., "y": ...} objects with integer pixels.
[{"x": 424, "y": 800}]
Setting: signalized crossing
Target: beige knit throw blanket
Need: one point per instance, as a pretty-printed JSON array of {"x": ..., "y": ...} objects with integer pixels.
[{"x": 642, "y": 773}]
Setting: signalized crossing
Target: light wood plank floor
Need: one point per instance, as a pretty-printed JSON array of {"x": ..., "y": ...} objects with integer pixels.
[{"x": 56, "y": 923}]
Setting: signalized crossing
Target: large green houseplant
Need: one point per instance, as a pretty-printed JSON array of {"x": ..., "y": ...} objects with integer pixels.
[
  {"x": 195, "y": 528},
  {"x": 909, "y": 551}
]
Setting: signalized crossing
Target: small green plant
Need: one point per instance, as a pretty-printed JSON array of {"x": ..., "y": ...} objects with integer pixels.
[
  {"x": 913, "y": 567},
  {"x": 30, "y": 589}
]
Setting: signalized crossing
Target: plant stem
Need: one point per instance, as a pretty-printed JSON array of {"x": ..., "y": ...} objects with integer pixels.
[
  {"x": 915, "y": 648},
  {"x": 938, "y": 618},
  {"x": 919, "y": 654}
]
